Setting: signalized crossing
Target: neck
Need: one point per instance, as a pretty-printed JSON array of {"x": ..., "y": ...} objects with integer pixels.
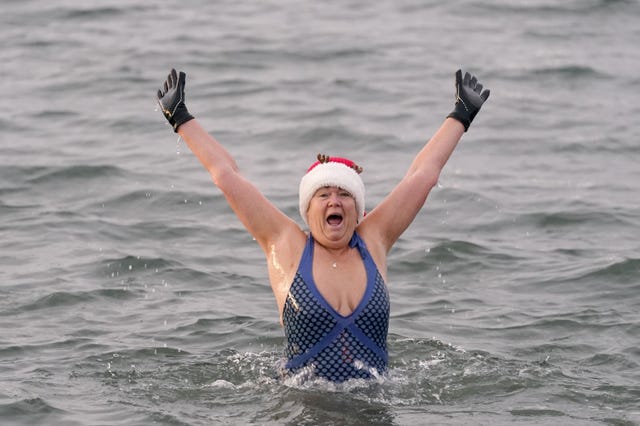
[
  {"x": 331, "y": 245},
  {"x": 334, "y": 256},
  {"x": 336, "y": 252}
]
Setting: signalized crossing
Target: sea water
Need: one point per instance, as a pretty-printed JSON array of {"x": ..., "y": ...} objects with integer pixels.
[{"x": 130, "y": 294}]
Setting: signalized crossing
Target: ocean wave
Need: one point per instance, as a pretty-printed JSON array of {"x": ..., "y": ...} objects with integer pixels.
[
  {"x": 572, "y": 218},
  {"x": 54, "y": 11},
  {"x": 556, "y": 73},
  {"x": 31, "y": 411},
  {"x": 615, "y": 282},
  {"x": 41, "y": 175},
  {"x": 135, "y": 264},
  {"x": 91, "y": 13},
  {"x": 569, "y": 7},
  {"x": 613, "y": 362},
  {"x": 60, "y": 299},
  {"x": 140, "y": 273},
  {"x": 613, "y": 279},
  {"x": 452, "y": 255},
  {"x": 568, "y": 72},
  {"x": 624, "y": 271},
  {"x": 13, "y": 212},
  {"x": 151, "y": 197},
  {"x": 422, "y": 372}
]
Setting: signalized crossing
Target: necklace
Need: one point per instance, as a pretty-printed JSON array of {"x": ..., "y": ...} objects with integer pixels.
[
  {"x": 334, "y": 257},
  {"x": 334, "y": 261}
]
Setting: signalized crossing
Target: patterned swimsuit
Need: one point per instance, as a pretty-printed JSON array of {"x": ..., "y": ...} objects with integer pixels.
[{"x": 327, "y": 344}]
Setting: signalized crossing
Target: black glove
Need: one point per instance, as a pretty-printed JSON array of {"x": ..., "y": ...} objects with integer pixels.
[
  {"x": 468, "y": 99},
  {"x": 171, "y": 101}
]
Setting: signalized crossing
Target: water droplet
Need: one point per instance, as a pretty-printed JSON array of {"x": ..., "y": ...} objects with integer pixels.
[{"x": 178, "y": 146}]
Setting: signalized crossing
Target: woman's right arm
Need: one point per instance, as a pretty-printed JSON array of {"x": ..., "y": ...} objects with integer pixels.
[{"x": 262, "y": 219}]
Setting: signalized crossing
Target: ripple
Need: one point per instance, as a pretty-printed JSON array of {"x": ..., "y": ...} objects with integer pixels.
[
  {"x": 569, "y": 72},
  {"x": 624, "y": 271},
  {"x": 29, "y": 411},
  {"x": 75, "y": 172},
  {"x": 67, "y": 299}
]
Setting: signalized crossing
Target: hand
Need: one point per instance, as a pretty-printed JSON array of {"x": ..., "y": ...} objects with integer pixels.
[
  {"x": 171, "y": 101},
  {"x": 469, "y": 99}
]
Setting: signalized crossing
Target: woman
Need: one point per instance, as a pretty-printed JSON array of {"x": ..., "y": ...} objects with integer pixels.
[{"x": 329, "y": 283}]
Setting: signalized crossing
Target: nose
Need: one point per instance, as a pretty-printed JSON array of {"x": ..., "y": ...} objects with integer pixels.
[{"x": 334, "y": 199}]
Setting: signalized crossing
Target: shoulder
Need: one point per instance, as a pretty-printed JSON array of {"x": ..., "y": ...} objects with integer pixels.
[
  {"x": 283, "y": 254},
  {"x": 287, "y": 244}
]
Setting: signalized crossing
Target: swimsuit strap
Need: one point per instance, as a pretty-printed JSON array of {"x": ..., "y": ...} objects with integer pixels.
[{"x": 357, "y": 242}]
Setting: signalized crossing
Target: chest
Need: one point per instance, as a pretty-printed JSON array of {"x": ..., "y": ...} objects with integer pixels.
[{"x": 341, "y": 281}]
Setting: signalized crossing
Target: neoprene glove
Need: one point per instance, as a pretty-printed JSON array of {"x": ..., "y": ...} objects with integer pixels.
[
  {"x": 171, "y": 101},
  {"x": 469, "y": 98}
]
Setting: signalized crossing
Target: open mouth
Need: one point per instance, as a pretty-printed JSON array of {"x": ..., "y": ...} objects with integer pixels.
[{"x": 334, "y": 219}]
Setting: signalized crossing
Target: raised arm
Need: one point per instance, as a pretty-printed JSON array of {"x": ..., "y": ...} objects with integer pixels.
[
  {"x": 261, "y": 218},
  {"x": 396, "y": 212}
]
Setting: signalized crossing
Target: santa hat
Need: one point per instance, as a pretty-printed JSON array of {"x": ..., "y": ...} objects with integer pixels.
[{"x": 332, "y": 171}]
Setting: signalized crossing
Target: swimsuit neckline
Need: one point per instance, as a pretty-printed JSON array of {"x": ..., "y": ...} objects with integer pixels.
[{"x": 356, "y": 242}]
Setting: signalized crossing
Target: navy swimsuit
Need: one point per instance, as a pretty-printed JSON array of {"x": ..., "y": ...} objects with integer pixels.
[{"x": 326, "y": 343}]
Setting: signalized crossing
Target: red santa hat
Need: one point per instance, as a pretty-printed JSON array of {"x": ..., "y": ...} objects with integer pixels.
[{"x": 332, "y": 171}]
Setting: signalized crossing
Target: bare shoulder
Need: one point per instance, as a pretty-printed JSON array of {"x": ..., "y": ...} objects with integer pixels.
[
  {"x": 283, "y": 254},
  {"x": 290, "y": 241}
]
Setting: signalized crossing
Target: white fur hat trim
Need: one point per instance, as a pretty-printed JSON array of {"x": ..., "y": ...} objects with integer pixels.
[{"x": 331, "y": 174}]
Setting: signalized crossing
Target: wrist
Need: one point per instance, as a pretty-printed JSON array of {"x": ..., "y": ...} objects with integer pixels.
[
  {"x": 180, "y": 116},
  {"x": 460, "y": 117}
]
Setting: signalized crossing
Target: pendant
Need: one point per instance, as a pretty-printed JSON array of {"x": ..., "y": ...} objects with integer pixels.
[{"x": 334, "y": 264}]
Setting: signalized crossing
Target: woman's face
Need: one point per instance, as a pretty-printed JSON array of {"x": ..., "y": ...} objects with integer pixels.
[{"x": 332, "y": 214}]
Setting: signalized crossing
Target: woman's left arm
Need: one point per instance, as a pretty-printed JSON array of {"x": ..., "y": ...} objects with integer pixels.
[{"x": 396, "y": 212}]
